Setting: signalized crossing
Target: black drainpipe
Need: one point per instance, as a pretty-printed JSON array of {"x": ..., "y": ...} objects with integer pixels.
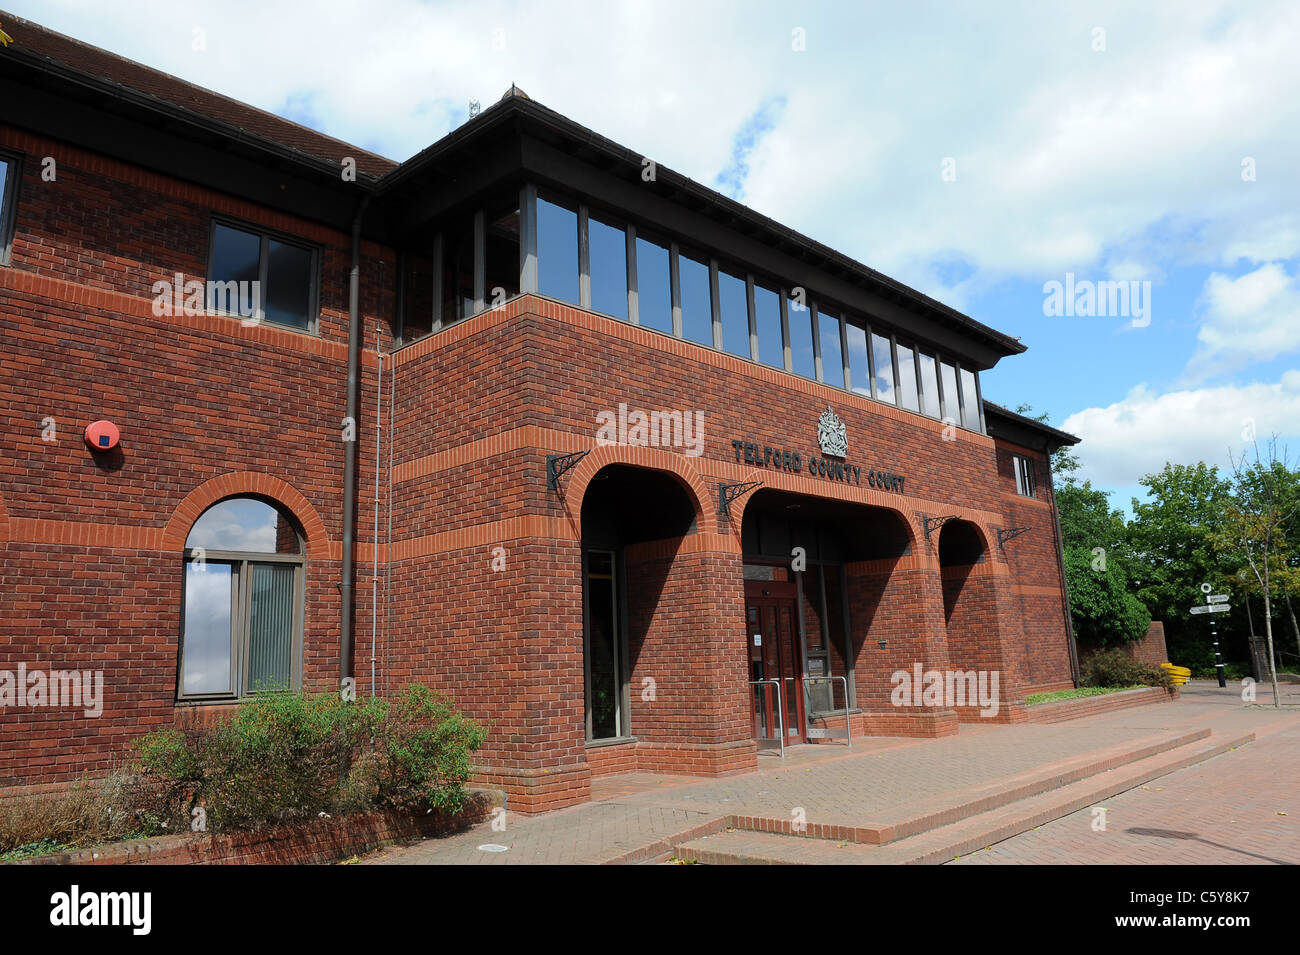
[
  {"x": 350, "y": 447},
  {"x": 1071, "y": 644}
]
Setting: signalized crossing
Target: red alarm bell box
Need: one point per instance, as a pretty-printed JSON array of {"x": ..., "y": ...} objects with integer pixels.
[{"x": 102, "y": 436}]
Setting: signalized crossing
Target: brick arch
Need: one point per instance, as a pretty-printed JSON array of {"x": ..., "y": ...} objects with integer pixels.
[
  {"x": 981, "y": 532},
  {"x": 652, "y": 459},
  {"x": 234, "y": 484},
  {"x": 795, "y": 484}
]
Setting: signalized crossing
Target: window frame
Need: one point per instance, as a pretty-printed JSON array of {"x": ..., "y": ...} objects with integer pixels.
[
  {"x": 241, "y": 611},
  {"x": 265, "y": 236},
  {"x": 622, "y": 708},
  {"x": 1025, "y": 474},
  {"x": 9, "y": 204}
]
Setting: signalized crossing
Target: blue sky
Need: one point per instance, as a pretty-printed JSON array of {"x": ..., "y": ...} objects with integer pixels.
[{"x": 974, "y": 151}]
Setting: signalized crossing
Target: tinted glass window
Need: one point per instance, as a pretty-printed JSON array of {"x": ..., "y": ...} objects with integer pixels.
[
  {"x": 654, "y": 292},
  {"x": 929, "y": 384},
  {"x": 458, "y": 271},
  {"x": 607, "y": 246},
  {"x": 501, "y": 241},
  {"x": 801, "y": 340},
  {"x": 767, "y": 316},
  {"x": 244, "y": 524},
  {"x": 288, "y": 279},
  {"x": 417, "y": 296},
  {"x": 970, "y": 401},
  {"x": 828, "y": 325},
  {"x": 235, "y": 255},
  {"x": 859, "y": 370},
  {"x": 733, "y": 301},
  {"x": 949, "y": 383},
  {"x": 697, "y": 303},
  {"x": 557, "y": 251},
  {"x": 907, "y": 394},
  {"x": 882, "y": 353}
]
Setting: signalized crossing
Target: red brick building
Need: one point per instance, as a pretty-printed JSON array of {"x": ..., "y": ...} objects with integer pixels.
[{"x": 604, "y": 455}]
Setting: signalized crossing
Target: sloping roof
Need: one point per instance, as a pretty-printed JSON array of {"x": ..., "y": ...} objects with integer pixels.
[
  {"x": 37, "y": 42},
  {"x": 1052, "y": 438},
  {"x": 220, "y": 115}
]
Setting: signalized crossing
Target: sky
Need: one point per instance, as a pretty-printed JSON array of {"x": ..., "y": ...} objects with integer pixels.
[{"x": 977, "y": 152}]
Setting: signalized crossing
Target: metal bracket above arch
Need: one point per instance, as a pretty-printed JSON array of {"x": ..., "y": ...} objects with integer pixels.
[
  {"x": 1009, "y": 534},
  {"x": 557, "y": 465},
  {"x": 731, "y": 492},
  {"x": 932, "y": 524}
]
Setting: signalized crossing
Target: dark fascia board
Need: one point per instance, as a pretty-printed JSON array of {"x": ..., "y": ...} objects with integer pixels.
[
  {"x": 619, "y": 162},
  {"x": 54, "y": 100},
  {"x": 1016, "y": 428}
]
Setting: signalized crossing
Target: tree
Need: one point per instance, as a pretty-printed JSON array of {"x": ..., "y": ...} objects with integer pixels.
[
  {"x": 1105, "y": 612},
  {"x": 1170, "y": 540},
  {"x": 1254, "y": 526}
]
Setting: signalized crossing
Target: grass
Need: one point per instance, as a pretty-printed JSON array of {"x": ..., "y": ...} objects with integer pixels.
[
  {"x": 87, "y": 812},
  {"x": 1034, "y": 699}
]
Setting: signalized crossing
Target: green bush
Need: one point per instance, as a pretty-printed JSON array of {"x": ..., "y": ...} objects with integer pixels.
[
  {"x": 289, "y": 756},
  {"x": 1115, "y": 668}
]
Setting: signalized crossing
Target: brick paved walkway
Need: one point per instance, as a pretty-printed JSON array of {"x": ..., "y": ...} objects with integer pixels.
[
  {"x": 882, "y": 779},
  {"x": 1239, "y": 808}
]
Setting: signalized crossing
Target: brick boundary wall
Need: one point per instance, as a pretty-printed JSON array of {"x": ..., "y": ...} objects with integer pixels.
[
  {"x": 319, "y": 842},
  {"x": 1151, "y": 647},
  {"x": 1092, "y": 705}
]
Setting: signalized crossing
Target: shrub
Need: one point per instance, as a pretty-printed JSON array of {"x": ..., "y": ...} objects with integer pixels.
[
  {"x": 1115, "y": 668},
  {"x": 88, "y": 810},
  {"x": 288, "y": 756}
]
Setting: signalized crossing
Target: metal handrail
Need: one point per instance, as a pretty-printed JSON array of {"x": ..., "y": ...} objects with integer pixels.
[
  {"x": 780, "y": 710},
  {"x": 848, "y": 723}
]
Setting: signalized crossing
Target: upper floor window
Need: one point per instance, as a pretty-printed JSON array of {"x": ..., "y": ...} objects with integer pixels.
[
  {"x": 557, "y": 251},
  {"x": 1024, "y": 470},
  {"x": 733, "y": 306},
  {"x": 242, "y": 625},
  {"x": 654, "y": 280},
  {"x": 9, "y": 172},
  {"x": 696, "y": 299},
  {"x": 274, "y": 278},
  {"x": 607, "y": 267}
]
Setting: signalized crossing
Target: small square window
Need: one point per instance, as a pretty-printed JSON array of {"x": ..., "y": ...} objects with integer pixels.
[
  {"x": 10, "y": 169},
  {"x": 255, "y": 274},
  {"x": 1024, "y": 469}
]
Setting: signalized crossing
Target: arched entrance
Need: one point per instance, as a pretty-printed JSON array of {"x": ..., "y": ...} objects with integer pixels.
[
  {"x": 813, "y": 571},
  {"x": 969, "y": 603},
  {"x": 634, "y": 521}
]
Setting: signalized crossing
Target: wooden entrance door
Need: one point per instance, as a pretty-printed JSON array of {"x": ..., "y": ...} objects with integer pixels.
[{"x": 774, "y": 654}]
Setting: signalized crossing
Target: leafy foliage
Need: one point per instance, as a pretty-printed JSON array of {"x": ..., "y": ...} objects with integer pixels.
[
  {"x": 289, "y": 756},
  {"x": 1115, "y": 668},
  {"x": 1105, "y": 613}
]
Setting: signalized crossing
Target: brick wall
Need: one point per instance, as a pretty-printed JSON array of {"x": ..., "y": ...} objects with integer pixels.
[{"x": 481, "y": 581}]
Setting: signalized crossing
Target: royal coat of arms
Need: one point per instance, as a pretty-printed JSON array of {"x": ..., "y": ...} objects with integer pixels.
[{"x": 832, "y": 435}]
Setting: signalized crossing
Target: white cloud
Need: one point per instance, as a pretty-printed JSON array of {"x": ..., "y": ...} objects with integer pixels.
[
  {"x": 1251, "y": 318},
  {"x": 1067, "y": 159},
  {"x": 1139, "y": 434}
]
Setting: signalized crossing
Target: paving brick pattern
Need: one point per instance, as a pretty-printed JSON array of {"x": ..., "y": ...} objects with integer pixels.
[
  {"x": 1237, "y": 809},
  {"x": 883, "y": 777}
]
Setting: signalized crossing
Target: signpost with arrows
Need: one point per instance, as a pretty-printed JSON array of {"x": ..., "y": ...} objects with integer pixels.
[{"x": 1214, "y": 604}]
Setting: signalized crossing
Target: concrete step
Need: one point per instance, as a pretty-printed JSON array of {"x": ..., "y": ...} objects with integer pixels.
[
  {"x": 944, "y": 843},
  {"x": 900, "y": 822}
]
